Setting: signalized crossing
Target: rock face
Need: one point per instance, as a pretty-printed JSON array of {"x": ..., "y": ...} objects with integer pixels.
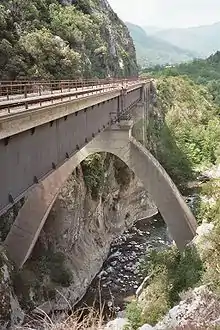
[
  {"x": 117, "y": 324},
  {"x": 76, "y": 238},
  {"x": 199, "y": 309},
  {"x": 10, "y": 310}
]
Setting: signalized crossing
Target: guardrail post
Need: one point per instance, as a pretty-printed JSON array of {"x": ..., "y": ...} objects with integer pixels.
[
  {"x": 145, "y": 101},
  {"x": 121, "y": 104},
  {"x": 25, "y": 91}
]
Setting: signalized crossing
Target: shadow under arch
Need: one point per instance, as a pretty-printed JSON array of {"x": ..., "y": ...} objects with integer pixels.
[{"x": 117, "y": 141}]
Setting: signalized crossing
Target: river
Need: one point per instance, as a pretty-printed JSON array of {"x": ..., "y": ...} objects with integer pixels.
[{"x": 119, "y": 278}]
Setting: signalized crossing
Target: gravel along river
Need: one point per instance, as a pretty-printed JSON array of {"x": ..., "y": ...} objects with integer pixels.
[{"x": 120, "y": 277}]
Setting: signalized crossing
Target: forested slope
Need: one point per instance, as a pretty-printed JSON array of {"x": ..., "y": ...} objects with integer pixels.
[
  {"x": 64, "y": 39},
  {"x": 203, "y": 72}
]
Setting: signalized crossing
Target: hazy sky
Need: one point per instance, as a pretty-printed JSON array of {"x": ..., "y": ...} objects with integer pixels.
[{"x": 168, "y": 13}]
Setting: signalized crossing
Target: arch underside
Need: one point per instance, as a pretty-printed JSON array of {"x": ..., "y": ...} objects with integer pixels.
[{"x": 118, "y": 141}]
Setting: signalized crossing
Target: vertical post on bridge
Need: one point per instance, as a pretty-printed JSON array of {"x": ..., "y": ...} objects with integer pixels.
[
  {"x": 121, "y": 103},
  {"x": 144, "y": 99}
]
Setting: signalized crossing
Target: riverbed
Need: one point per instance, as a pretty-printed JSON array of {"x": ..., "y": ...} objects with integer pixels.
[{"x": 120, "y": 276}]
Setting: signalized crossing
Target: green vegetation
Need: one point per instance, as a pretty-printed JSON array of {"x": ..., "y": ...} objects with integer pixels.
[
  {"x": 38, "y": 279},
  {"x": 211, "y": 259},
  {"x": 152, "y": 50},
  {"x": 186, "y": 132},
  {"x": 51, "y": 39},
  {"x": 94, "y": 174},
  {"x": 134, "y": 315},
  {"x": 179, "y": 271},
  {"x": 173, "y": 272},
  {"x": 204, "y": 72},
  {"x": 208, "y": 204},
  {"x": 184, "y": 135}
]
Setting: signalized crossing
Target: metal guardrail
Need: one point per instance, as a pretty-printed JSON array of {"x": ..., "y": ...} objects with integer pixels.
[
  {"x": 25, "y": 88},
  {"x": 23, "y": 94}
]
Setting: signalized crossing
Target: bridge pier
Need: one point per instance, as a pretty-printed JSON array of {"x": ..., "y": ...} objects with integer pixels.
[{"x": 119, "y": 141}]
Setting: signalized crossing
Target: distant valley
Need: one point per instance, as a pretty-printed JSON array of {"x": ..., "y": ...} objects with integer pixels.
[
  {"x": 202, "y": 39},
  {"x": 152, "y": 50},
  {"x": 170, "y": 46}
]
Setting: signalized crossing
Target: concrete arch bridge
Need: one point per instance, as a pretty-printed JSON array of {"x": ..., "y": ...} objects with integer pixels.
[{"x": 48, "y": 129}]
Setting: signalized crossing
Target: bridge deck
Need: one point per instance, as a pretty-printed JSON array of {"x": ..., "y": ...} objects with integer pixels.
[
  {"x": 36, "y": 141},
  {"x": 17, "y": 102},
  {"x": 35, "y": 101}
]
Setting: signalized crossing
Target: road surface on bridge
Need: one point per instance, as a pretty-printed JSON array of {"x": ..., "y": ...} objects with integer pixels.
[{"x": 23, "y": 96}]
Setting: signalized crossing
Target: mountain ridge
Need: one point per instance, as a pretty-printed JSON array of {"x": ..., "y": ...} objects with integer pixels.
[
  {"x": 203, "y": 39},
  {"x": 152, "y": 50}
]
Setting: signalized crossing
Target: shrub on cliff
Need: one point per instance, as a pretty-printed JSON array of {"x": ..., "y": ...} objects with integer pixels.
[
  {"x": 185, "y": 127},
  {"x": 94, "y": 173}
]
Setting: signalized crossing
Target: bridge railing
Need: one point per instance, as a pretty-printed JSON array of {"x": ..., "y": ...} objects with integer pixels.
[
  {"x": 37, "y": 94},
  {"x": 25, "y": 89}
]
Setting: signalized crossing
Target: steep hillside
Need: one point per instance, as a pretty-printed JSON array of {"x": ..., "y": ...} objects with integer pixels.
[
  {"x": 63, "y": 39},
  {"x": 202, "y": 39},
  {"x": 192, "y": 120},
  {"x": 151, "y": 50},
  {"x": 184, "y": 134}
]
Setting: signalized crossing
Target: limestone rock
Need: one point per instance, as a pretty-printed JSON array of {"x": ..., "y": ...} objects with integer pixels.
[
  {"x": 199, "y": 309},
  {"x": 146, "y": 327},
  {"x": 117, "y": 324},
  {"x": 11, "y": 313},
  {"x": 202, "y": 241}
]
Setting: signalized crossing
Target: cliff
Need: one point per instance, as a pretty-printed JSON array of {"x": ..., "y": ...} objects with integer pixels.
[{"x": 51, "y": 39}]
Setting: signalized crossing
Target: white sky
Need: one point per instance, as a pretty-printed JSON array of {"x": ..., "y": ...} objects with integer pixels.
[{"x": 168, "y": 13}]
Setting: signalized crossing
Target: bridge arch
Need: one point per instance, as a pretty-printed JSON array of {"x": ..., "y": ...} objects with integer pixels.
[{"x": 118, "y": 141}]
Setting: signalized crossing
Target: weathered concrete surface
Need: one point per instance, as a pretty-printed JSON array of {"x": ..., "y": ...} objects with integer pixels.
[{"x": 117, "y": 141}]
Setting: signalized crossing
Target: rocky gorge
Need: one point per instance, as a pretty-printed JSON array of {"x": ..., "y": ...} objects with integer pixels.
[{"x": 76, "y": 238}]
